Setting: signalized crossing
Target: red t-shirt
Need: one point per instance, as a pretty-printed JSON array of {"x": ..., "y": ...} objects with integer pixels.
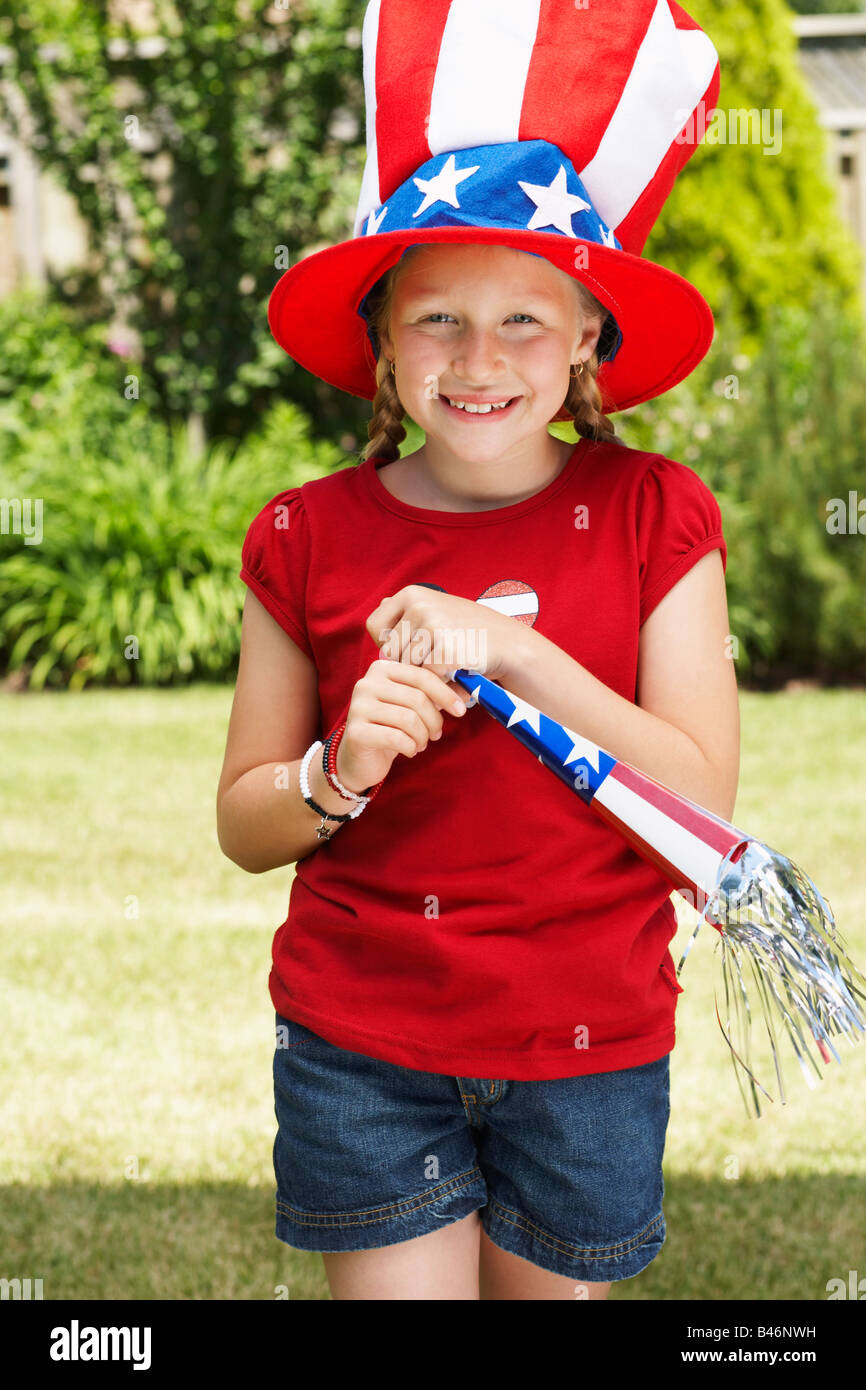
[{"x": 478, "y": 918}]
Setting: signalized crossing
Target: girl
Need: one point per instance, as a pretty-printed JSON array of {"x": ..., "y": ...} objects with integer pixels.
[{"x": 473, "y": 989}]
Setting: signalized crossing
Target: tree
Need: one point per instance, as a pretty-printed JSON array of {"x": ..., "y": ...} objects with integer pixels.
[
  {"x": 203, "y": 157},
  {"x": 755, "y": 230}
]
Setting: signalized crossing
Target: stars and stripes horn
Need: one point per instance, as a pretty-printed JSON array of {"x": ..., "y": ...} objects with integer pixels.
[{"x": 782, "y": 958}]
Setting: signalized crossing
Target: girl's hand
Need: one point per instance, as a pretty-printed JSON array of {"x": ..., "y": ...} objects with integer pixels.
[
  {"x": 395, "y": 708},
  {"x": 441, "y": 632}
]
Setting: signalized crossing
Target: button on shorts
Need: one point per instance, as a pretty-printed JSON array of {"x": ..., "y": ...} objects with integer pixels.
[{"x": 565, "y": 1173}]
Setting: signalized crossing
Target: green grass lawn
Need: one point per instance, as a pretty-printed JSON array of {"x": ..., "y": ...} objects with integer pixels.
[{"x": 137, "y": 1031}]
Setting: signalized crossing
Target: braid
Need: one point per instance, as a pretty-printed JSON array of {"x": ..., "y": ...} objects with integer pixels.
[
  {"x": 583, "y": 401},
  {"x": 386, "y": 426},
  {"x": 583, "y": 404}
]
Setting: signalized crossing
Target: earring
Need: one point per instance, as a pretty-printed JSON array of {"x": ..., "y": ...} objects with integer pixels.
[
  {"x": 393, "y": 363},
  {"x": 578, "y": 373}
]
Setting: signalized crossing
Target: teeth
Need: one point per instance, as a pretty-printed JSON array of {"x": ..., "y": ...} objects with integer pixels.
[{"x": 477, "y": 409}]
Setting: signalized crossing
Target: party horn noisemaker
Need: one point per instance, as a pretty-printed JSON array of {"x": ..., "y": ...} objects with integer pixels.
[{"x": 776, "y": 930}]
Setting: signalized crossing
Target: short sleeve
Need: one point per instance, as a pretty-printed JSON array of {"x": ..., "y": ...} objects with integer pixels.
[
  {"x": 678, "y": 521},
  {"x": 275, "y": 563}
]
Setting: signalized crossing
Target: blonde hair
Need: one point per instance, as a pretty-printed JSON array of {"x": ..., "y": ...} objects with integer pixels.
[{"x": 386, "y": 431}]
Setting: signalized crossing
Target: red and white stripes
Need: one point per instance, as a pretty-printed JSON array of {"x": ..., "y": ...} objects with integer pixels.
[{"x": 612, "y": 84}]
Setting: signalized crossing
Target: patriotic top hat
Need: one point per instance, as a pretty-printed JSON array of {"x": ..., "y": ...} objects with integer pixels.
[{"x": 554, "y": 127}]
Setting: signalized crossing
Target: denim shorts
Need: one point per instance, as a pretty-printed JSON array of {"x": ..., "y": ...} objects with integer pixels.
[{"x": 566, "y": 1173}]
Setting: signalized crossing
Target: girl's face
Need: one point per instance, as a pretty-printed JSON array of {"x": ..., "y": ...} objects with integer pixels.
[{"x": 478, "y": 324}]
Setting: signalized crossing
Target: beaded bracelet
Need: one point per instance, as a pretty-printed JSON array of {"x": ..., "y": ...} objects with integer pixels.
[
  {"x": 329, "y": 767},
  {"x": 321, "y": 830}
]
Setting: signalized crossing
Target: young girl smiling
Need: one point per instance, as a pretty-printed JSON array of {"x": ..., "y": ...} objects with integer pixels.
[{"x": 473, "y": 989}]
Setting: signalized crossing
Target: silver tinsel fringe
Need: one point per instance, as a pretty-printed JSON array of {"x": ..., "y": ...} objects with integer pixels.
[{"x": 779, "y": 939}]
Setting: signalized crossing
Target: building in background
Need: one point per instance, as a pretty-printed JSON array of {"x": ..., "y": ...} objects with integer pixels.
[
  {"x": 832, "y": 51},
  {"x": 39, "y": 222}
]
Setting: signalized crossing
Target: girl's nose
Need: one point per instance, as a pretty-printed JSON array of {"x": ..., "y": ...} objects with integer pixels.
[{"x": 478, "y": 356}]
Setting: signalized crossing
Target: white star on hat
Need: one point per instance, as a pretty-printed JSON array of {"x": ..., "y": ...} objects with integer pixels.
[
  {"x": 608, "y": 237},
  {"x": 374, "y": 222},
  {"x": 554, "y": 205},
  {"x": 442, "y": 188}
]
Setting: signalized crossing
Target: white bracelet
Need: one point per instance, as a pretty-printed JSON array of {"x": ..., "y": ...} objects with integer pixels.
[
  {"x": 305, "y": 763},
  {"x": 322, "y": 830}
]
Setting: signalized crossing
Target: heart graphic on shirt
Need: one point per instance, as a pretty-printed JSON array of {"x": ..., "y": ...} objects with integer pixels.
[
  {"x": 509, "y": 596},
  {"x": 514, "y": 598}
]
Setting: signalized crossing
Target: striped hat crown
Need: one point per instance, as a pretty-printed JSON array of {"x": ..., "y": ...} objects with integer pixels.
[{"x": 615, "y": 92}]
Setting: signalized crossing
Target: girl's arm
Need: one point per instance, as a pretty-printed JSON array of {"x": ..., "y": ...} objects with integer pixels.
[
  {"x": 263, "y": 821},
  {"x": 684, "y": 729}
]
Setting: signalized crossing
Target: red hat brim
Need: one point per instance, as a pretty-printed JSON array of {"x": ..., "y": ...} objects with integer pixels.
[{"x": 667, "y": 325}]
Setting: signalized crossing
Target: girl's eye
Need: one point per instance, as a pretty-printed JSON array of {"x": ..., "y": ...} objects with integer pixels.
[{"x": 528, "y": 317}]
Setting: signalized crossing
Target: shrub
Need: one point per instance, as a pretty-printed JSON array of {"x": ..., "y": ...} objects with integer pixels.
[
  {"x": 135, "y": 580},
  {"x": 776, "y": 438}
]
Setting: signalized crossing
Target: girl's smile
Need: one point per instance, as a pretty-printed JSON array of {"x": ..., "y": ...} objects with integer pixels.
[{"x": 480, "y": 407}]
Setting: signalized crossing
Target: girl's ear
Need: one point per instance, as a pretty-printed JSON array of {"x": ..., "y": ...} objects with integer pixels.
[{"x": 585, "y": 346}]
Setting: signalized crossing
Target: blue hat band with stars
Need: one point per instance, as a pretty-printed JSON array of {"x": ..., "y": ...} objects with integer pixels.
[{"x": 527, "y": 185}]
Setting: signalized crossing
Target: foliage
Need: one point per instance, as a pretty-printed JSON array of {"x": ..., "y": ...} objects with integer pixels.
[
  {"x": 54, "y": 367},
  {"x": 752, "y": 228},
  {"x": 135, "y": 580},
  {"x": 777, "y": 438},
  {"x": 192, "y": 167}
]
